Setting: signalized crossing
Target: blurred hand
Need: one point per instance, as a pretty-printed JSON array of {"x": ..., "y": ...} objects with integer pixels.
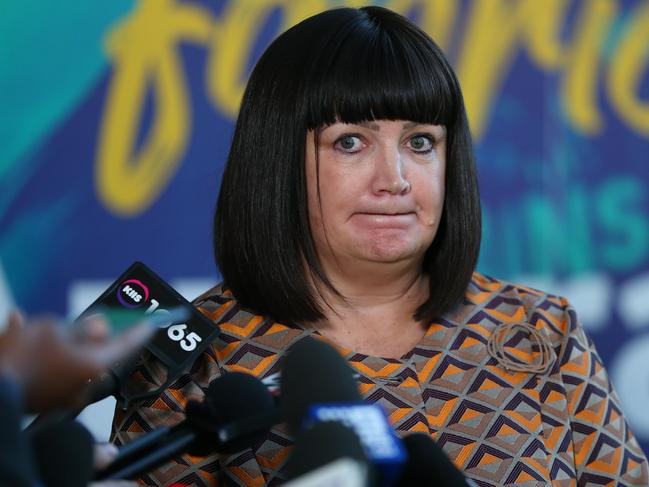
[
  {"x": 104, "y": 454},
  {"x": 114, "y": 483},
  {"x": 54, "y": 364}
]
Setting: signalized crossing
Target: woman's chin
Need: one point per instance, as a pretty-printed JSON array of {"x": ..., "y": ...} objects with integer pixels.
[{"x": 392, "y": 251}]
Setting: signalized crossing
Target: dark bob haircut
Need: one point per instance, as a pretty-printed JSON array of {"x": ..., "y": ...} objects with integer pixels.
[{"x": 347, "y": 65}]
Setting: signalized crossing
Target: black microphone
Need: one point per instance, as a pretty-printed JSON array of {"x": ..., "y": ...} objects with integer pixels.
[
  {"x": 236, "y": 413},
  {"x": 313, "y": 373},
  {"x": 135, "y": 294},
  {"x": 63, "y": 454},
  {"x": 328, "y": 453},
  {"x": 317, "y": 385},
  {"x": 176, "y": 345},
  {"x": 428, "y": 465}
]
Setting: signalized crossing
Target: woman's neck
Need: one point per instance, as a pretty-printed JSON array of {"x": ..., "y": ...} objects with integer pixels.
[{"x": 374, "y": 312}]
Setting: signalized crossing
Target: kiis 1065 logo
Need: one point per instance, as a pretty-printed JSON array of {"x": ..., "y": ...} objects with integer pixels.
[{"x": 133, "y": 294}]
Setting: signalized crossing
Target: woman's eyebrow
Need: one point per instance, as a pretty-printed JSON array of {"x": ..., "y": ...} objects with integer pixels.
[
  {"x": 370, "y": 125},
  {"x": 409, "y": 125}
]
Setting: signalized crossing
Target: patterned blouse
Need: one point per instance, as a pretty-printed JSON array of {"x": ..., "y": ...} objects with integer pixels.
[{"x": 502, "y": 427}]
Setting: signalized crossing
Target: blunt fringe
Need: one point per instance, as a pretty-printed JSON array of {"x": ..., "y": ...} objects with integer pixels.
[{"x": 347, "y": 65}]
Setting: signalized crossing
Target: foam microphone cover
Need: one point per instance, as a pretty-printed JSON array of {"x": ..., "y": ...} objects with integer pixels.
[
  {"x": 322, "y": 444},
  {"x": 313, "y": 373},
  {"x": 234, "y": 398},
  {"x": 63, "y": 454},
  {"x": 428, "y": 465}
]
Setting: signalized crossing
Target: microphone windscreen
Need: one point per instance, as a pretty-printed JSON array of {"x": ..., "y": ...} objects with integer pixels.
[
  {"x": 237, "y": 395},
  {"x": 321, "y": 444},
  {"x": 237, "y": 401},
  {"x": 428, "y": 465},
  {"x": 63, "y": 454},
  {"x": 313, "y": 373}
]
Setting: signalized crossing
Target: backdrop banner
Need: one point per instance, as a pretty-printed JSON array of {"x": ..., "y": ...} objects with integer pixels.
[{"x": 116, "y": 119}]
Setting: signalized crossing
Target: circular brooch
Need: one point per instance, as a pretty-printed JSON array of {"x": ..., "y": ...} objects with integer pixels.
[{"x": 496, "y": 347}]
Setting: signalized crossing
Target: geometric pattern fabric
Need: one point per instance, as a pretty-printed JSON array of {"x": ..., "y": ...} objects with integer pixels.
[{"x": 501, "y": 427}]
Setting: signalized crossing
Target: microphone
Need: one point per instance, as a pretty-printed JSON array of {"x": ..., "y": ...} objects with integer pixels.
[
  {"x": 176, "y": 345},
  {"x": 313, "y": 373},
  {"x": 63, "y": 454},
  {"x": 327, "y": 454},
  {"x": 335, "y": 397},
  {"x": 140, "y": 293},
  {"x": 236, "y": 413},
  {"x": 428, "y": 465}
]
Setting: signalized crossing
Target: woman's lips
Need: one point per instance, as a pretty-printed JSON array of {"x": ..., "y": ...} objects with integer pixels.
[{"x": 384, "y": 220}]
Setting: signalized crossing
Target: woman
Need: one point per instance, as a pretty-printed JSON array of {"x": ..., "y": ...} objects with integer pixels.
[{"x": 349, "y": 210}]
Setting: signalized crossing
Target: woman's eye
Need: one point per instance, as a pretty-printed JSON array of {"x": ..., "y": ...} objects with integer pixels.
[
  {"x": 349, "y": 143},
  {"x": 421, "y": 143}
]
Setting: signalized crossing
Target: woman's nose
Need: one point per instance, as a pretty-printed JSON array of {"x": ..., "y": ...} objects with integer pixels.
[{"x": 389, "y": 173}]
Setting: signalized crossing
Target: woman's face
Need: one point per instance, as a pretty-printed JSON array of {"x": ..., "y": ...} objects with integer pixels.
[{"x": 381, "y": 191}]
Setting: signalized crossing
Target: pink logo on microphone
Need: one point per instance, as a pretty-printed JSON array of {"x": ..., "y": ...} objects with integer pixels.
[{"x": 132, "y": 293}]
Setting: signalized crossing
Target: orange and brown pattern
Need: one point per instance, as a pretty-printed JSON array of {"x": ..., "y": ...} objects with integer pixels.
[{"x": 501, "y": 427}]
